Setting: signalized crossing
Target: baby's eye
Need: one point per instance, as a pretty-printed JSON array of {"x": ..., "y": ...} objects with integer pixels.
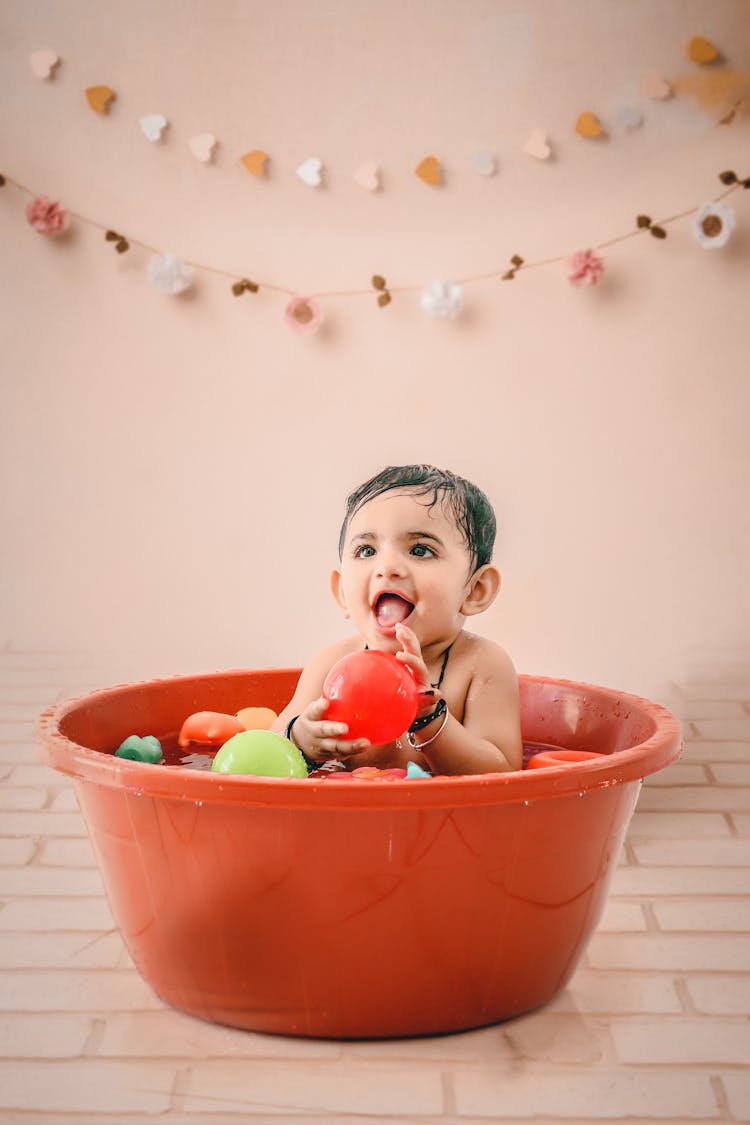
[
  {"x": 364, "y": 551},
  {"x": 422, "y": 551}
]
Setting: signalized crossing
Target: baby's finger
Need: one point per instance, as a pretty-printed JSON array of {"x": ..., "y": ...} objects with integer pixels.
[
  {"x": 316, "y": 710},
  {"x": 342, "y": 749},
  {"x": 408, "y": 639},
  {"x": 332, "y": 730}
]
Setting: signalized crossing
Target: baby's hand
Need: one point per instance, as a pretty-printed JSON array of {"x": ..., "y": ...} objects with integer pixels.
[
  {"x": 320, "y": 740},
  {"x": 412, "y": 656}
]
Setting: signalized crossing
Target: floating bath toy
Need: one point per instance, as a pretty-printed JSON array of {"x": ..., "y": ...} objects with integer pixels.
[
  {"x": 415, "y": 772},
  {"x": 560, "y": 758},
  {"x": 372, "y": 773},
  {"x": 211, "y": 728},
  {"x": 257, "y": 718},
  {"x": 373, "y": 693},
  {"x": 137, "y": 749},
  {"x": 260, "y": 752}
]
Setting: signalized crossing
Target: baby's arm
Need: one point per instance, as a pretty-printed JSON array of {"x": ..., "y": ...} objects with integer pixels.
[
  {"x": 488, "y": 740},
  {"x": 317, "y": 738}
]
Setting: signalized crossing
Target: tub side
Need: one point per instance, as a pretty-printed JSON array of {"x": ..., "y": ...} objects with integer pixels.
[{"x": 633, "y": 737}]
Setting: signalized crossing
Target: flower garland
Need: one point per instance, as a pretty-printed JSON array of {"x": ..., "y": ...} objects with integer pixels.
[{"x": 713, "y": 224}]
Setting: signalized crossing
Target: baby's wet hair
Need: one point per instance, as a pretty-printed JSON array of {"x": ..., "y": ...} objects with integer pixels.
[{"x": 467, "y": 504}]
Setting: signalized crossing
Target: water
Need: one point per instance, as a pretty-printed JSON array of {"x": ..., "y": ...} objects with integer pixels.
[{"x": 200, "y": 758}]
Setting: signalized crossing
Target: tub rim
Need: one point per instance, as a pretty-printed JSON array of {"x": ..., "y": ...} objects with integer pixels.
[{"x": 662, "y": 746}]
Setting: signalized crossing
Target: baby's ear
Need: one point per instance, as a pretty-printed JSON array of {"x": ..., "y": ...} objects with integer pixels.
[
  {"x": 484, "y": 587},
  {"x": 337, "y": 589}
]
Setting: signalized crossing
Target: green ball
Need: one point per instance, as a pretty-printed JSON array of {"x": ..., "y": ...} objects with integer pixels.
[{"x": 262, "y": 753}]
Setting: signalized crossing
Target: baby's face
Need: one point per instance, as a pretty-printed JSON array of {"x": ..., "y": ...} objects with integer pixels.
[{"x": 404, "y": 561}]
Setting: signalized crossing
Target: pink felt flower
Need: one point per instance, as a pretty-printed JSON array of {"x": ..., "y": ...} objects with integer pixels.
[
  {"x": 304, "y": 315},
  {"x": 584, "y": 268},
  {"x": 46, "y": 216}
]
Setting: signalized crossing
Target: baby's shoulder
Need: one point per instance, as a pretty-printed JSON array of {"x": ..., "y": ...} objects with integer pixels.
[{"x": 480, "y": 656}]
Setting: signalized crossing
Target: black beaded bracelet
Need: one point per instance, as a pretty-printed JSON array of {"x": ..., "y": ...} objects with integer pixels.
[{"x": 425, "y": 720}]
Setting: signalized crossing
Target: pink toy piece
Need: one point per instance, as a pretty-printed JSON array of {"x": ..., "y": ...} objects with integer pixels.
[{"x": 560, "y": 758}]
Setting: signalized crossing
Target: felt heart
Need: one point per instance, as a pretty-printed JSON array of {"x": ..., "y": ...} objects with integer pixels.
[
  {"x": 310, "y": 171},
  {"x": 255, "y": 161},
  {"x": 589, "y": 126},
  {"x": 628, "y": 118},
  {"x": 43, "y": 63},
  {"x": 655, "y": 87},
  {"x": 700, "y": 50},
  {"x": 430, "y": 171},
  {"x": 153, "y": 125},
  {"x": 99, "y": 98},
  {"x": 537, "y": 145},
  {"x": 484, "y": 163},
  {"x": 202, "y": 147},
  {"x": 368, "y": 176}
]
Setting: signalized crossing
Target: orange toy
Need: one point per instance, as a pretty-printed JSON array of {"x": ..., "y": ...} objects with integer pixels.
[
  {"x": 257, "y": 718},
  {"x": 560, "y": 758},
  {"x": 209, "y": 728}
]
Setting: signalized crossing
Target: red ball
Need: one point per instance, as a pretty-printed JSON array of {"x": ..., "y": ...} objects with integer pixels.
[{"x": 373, "y": 693}]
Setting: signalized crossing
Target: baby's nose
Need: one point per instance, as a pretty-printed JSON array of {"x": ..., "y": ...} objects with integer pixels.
[{"x": 391, "y": 563}]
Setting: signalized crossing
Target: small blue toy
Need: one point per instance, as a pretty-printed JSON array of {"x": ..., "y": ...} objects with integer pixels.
[{"x": 415, "y": 772}]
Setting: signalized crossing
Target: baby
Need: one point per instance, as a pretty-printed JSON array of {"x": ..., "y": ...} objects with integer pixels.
[{"x": 415, "y": 549}]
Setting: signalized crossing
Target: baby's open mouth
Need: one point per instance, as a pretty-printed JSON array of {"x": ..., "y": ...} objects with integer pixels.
[{"x": 390, "y": 609}]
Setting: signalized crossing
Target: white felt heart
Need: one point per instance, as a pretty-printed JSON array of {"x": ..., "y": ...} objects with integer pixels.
[
  {"x": 43, "y": 62},
  {"x": 368, "y": 176},
  {"x": 628, "y": 118},
  {"x": 153, "y": 125},
  {"x": 484, "y": 163},
  {"x": 202, "y": 147},
  {"x": 537, "y": 145},
  {"x": 310, "y": 171}
]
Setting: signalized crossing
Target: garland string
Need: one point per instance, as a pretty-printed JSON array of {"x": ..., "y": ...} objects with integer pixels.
[{"x": 337, "y": 293}]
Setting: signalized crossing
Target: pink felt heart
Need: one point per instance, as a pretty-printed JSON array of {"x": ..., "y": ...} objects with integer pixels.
[
  {"x": 367, "y": 176},
  {"x": 43, "y": 62},
  {"x": 202, "y": 147},
  {"x": 537, "y": 145},
  {"x": 655, "y": 87}
]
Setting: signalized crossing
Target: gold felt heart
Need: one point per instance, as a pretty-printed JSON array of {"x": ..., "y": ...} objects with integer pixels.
[
  {"x": 256, "y": 161},
  {"x": 430, "y": 171},
  {"x": 700, "y": 50},
  {"x": 589, "y": 126},
  {"x": 99, "y": 98}
]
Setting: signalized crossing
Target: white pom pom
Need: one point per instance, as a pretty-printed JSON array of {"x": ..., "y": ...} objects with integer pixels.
[
  {"x": 442, "y": 299},
  {"x": 713, "y": 225},
  {"x": 169, "y": 275}
]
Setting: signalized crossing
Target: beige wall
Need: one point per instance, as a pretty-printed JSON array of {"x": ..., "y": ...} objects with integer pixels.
[{"x": 175, "y": 469}]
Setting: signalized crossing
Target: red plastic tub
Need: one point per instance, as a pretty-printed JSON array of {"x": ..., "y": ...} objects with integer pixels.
[{"x": 363, "y": 910}]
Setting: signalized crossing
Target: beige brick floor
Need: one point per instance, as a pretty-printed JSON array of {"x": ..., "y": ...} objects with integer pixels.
[{"x": 654, "y": 1027}]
